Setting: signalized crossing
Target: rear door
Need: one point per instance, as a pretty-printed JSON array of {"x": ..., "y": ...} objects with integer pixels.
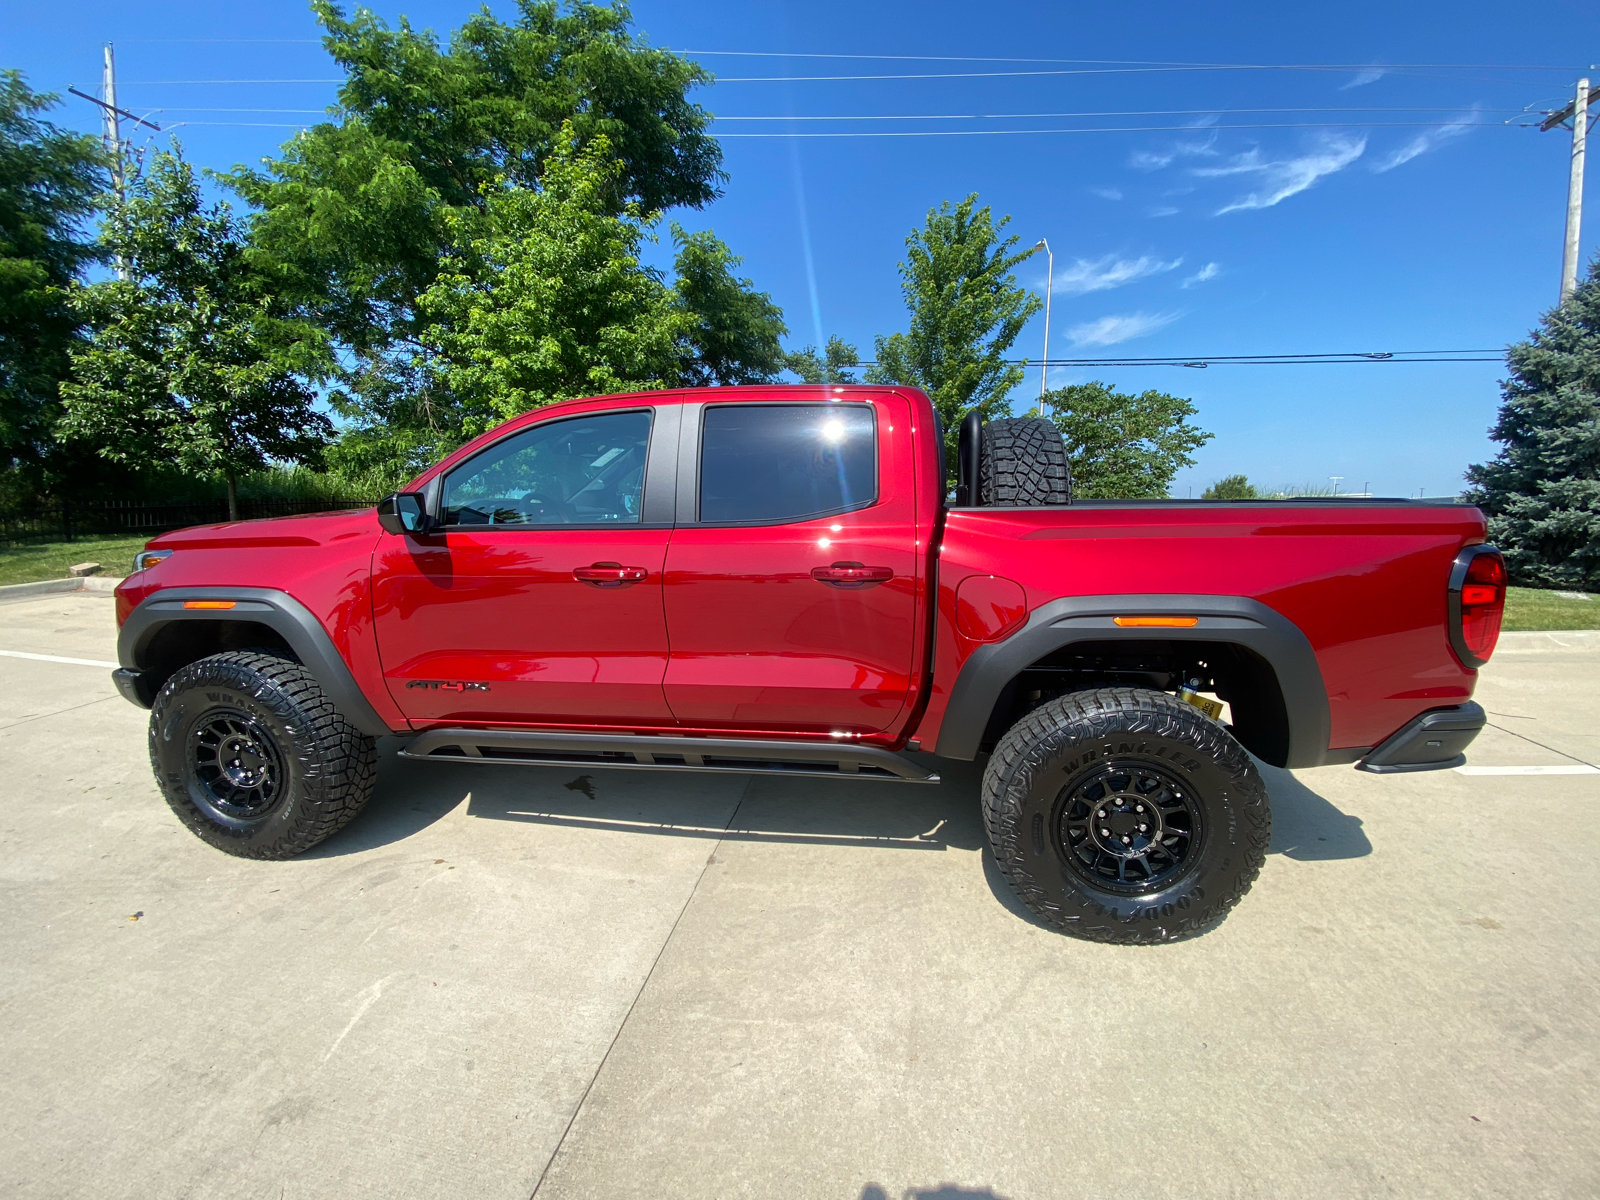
[
  {"x": 540, "y": 602},
  {"x": 791, "y": 586}
]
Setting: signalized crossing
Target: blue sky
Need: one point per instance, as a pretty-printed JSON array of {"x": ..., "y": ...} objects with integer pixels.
[{"x": 1431, "y": 221}]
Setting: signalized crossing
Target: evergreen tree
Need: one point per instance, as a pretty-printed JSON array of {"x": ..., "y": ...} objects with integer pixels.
[
  {"x": 1541, "y": 492},
  {"x": 50, "y": 181},
  {"x": 194, "y": 363},
  {"x": 966, "y": 311}
]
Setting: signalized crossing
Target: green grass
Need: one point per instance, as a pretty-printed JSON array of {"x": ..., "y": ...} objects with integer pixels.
[
  {"x": 50, "y": 560},
  {"x": 1535, "y": 608}
]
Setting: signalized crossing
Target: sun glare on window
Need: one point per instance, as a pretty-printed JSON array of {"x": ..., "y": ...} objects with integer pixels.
[{"x": 833, "y": 430}]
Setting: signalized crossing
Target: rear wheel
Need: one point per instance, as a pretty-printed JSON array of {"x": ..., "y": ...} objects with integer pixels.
[
  {"x": 254, "y": 758},
  {"x": 1125, "y": 815},
  {"x": 1023, "y": 461}
]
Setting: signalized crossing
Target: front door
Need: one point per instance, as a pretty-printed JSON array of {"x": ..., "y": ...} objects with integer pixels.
[
  {"x": 791, "y": 589},
  {"x": 540, "y": 602}
]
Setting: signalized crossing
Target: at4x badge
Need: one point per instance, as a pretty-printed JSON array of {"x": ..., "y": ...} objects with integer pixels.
[{"x": 447, "y": 685}]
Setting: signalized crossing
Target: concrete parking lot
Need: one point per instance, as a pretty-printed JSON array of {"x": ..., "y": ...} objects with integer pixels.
[{"x": 502, "y": 980}]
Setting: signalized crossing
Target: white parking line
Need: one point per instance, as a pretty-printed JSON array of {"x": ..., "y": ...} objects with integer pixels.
[
  {"x": 1564, "y": 770},
  {"x": 76, "y": 662}
]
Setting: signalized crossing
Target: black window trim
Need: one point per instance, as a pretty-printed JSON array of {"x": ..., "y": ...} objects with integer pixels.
[
  {"x": 693, "y": 437},
  {"x": 656, "y": 492}
]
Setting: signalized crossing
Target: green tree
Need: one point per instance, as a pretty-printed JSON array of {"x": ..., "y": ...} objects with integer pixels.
[
  {"x": 831, "y": 366},
  {"x": 542, "y": 297},
  {"x": 362, "y": 212},
  {"x": 966, "y": 311},
  {"x": 50, "y": 181},
  {"x": 734, "y": 332},
  {"x": 1232, "y": 487},
  {"x": 1124, "y": 447},
  {"x": 1541, "y": 492},
  {"x": 194, "y": 363}
]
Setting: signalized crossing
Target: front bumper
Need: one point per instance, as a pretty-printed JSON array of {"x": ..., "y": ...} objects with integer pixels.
[
  {"x": 135, "y": 686},
  {"x": 1434, "y": 741}
]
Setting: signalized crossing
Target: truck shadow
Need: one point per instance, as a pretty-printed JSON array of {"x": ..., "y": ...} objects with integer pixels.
[{"x": 736, "y": 807}]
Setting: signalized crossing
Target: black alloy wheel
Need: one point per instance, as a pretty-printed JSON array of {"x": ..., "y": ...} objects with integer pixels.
[
  {"x": 1129, "y": 826},
  {"x": 1125, "y": 815},
  {"x": 237, "y": 766}
]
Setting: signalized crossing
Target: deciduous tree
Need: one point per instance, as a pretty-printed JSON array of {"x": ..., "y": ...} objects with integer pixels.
[
  {"x": 966, "y": 311},
  {"x": 432, "y": 147},
  {"x": 194, "y": 361},
  {"x": 50, "y": 181},
  {"x": 1122, "y": 446}
]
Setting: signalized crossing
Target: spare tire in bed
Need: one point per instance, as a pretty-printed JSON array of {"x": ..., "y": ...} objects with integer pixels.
[{"x": 1023, "y": 463}]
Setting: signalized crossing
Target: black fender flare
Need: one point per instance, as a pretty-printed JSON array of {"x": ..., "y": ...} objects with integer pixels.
[
  {"x": 278, "y": 611},
  {"x": 1058, "y": 623}
]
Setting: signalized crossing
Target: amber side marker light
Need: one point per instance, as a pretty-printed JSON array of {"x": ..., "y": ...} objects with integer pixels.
[
  {"x": 209, "y": 603},
  {"x": 1158, "y": 622}
]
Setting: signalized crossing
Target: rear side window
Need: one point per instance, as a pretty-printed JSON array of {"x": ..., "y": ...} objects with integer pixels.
[
  {"x": 581, "y": 471},
  {"x": 766, "y": 463}
]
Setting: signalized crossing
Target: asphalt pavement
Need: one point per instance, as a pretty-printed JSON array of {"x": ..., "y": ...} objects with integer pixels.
[{"x": 509, "y": 980}]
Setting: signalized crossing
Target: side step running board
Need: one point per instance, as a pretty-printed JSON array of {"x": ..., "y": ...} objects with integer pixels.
[{"x": 644, "y": 752}]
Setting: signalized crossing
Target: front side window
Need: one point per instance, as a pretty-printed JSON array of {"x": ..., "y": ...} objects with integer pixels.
[
  {"x": 581, "y": 471},
  {"x": 785, "y": 462}
]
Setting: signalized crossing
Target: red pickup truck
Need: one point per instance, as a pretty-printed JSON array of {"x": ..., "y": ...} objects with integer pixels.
[{"x": 775, "y": 579}]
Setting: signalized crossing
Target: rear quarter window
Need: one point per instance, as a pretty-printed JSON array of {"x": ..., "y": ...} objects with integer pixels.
[{"x": 771, "y": 463}]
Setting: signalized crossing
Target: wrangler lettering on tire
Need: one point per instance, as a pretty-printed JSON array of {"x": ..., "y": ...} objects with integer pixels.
[{"x": 1125, "y": 815}]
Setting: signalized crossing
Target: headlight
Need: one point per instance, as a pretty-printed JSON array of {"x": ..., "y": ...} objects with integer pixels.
[{"x": 149, "y": 558}]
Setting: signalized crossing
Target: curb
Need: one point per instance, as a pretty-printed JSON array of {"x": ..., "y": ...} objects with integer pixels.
[{"x": 102, "y": 585}]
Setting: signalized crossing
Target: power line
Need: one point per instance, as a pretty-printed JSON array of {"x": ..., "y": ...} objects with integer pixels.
[
  {"x": 1135, "y": 62},
  {"x": 920, "y": 133},
  {"x": 218, "y": 82},
  {"x": 1149, "y": 112},
  {"x": 1268, "y": 360}
]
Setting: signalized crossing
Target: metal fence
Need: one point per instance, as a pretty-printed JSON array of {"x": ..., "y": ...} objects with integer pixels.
[{"x": 66, "y": 520}]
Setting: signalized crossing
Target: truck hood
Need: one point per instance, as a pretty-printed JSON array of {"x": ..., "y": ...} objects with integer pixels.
[{"x": 306, "y": 529}]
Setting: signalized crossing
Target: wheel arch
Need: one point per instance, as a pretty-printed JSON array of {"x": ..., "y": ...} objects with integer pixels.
[
  {"x": 1281, "y": 714},
  {"x": 161, "y": 636}
]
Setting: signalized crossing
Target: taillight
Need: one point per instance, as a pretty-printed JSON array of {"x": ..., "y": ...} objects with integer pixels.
[{"x": 1477, "y": 603}]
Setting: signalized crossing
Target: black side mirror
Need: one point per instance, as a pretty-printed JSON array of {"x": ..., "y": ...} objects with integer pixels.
[{"x": 406, "y": 512}]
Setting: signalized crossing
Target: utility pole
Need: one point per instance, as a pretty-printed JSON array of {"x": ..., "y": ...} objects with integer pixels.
[
  {"x": 1578, "y": 113},
  {"x": 113, "y": 122}
]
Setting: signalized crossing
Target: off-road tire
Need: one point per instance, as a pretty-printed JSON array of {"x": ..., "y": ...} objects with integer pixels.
[
  {"x": 1088, "y": 743},
  {"x": 1023, "y": 461},
  {"x": 308, "y": 769}
]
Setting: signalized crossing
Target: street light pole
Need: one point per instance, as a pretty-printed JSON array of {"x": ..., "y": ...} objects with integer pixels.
[{"x": 1049, "y": 286}]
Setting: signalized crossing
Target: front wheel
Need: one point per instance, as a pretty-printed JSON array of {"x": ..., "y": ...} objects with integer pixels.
[
  {"x": 1125, "y": 815},
  {"x": 253, "y": 756}
]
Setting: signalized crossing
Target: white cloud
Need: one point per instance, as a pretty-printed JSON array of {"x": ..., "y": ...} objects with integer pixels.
[
  {"x": 1362, "y": 78},
  {"x": 1154, "y": 160},
  {"x": 1286, "y": 177},
  {"x": 1162, "y": 211},
  {"x": 1432, "y": 139},
  {"x": 1109, "y": 272},
  {"x": 1106, "y": 193},
  {"x": 1210, "y": 271},
  {"x": 1108, "y": 331}
]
